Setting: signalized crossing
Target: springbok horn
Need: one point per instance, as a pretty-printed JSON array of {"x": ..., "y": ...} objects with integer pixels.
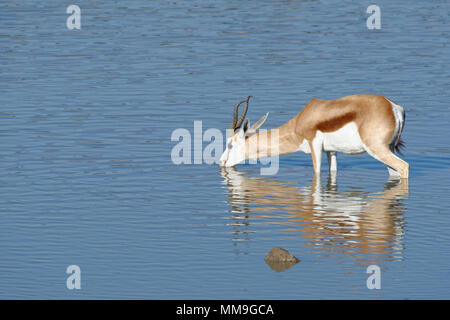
[
  {"x": 235, "y": 113},
  {"x": 241, "y": 119},
  {"x": 258, "y": 124}
]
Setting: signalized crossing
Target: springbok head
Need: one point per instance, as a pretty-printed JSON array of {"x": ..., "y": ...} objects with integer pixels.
[{"x": 235, "y": 150}]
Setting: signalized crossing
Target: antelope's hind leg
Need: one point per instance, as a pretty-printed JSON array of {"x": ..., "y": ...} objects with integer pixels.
[
  {"x": 396, "y": 166},
  {"x": 332, "y": 161}
]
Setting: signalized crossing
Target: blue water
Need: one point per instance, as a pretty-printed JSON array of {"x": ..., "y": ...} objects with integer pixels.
[{"x": 86, "y": 175}]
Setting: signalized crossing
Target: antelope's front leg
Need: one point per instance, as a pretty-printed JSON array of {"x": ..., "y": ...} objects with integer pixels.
[{"x": 316, "y": 152}]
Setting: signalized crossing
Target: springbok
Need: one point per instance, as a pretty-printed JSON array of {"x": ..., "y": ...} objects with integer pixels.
[{"x": 354, "y": 124}]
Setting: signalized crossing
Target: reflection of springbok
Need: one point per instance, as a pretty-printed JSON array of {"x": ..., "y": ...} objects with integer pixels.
[
  {"x": 353, "y": 124},
  {"x": 351, "y": 222}
]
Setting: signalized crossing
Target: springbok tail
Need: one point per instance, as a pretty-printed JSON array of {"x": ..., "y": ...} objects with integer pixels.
[
  {"x": 400, "y": 117},
  {"x": 399, "y": 146}
]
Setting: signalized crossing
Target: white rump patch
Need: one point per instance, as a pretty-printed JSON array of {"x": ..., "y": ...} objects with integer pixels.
[{"x": 399, "y": 120}]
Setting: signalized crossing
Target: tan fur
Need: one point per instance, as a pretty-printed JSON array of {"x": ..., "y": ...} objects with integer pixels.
[{"x": 372, "y": 114}]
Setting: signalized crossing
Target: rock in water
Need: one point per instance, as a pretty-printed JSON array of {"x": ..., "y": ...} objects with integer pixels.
[
  {"x": 280, "y": 259},
  {"x": 280, "y": 254}
]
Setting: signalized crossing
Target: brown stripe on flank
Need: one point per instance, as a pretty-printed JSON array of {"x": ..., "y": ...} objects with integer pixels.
[{"x": 336, "y": 123}]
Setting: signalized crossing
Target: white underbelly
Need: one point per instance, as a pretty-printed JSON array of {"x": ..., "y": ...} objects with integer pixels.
[{"x": 346, "y": 140}]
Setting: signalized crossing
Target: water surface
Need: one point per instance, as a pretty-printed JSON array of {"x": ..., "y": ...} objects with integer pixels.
[{"x": 86, "y": 176}]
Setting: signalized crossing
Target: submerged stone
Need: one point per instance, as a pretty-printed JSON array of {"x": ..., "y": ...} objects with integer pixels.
[{"x": 279, "y": 259}]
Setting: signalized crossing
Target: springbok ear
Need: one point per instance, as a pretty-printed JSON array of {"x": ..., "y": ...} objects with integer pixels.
[
  {"x": 241, "y": 132},
  {"x": 257, "y": 125}
]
